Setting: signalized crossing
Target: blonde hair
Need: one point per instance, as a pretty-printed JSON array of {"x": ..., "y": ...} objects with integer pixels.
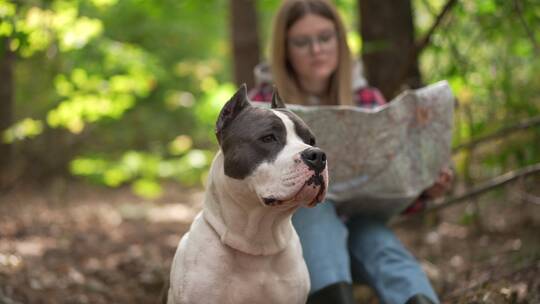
[{"x": 290, "y": 11}]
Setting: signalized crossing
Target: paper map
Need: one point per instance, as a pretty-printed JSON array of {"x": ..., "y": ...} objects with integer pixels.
[{"x": 381, "y": 159}]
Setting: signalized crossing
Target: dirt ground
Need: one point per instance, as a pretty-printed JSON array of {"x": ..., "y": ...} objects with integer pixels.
[{"x": 69, "y": 242}]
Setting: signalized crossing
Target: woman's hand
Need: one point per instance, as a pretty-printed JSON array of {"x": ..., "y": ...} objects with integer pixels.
[{"x": 442, "y": 184}]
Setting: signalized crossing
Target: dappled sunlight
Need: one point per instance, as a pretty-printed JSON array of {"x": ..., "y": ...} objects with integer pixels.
[
  {"x": 24, "y": 129},
  {"x": 9, "y": 261},
  {"x": 34, "y": 246},
  {"x": 91, "y": 241},
  {"x": 173, "y": 213},
  {"x": 450, "y": 230},
  {"x": 170, "y": 212}
]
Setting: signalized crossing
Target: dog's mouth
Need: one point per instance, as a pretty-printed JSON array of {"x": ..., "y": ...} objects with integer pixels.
[
  {"x": 304, "y": 194},
  {"x": 317, "y": 180}
]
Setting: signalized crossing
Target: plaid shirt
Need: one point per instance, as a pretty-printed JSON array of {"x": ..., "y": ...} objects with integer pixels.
[
  {"x": 367, "y": 97},
  {"x": 364, "y": 97}
]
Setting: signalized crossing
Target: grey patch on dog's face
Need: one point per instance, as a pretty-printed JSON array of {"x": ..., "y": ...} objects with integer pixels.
[
  {"x": 300, "y": 127},
  {"x": 256, "y": 135}
]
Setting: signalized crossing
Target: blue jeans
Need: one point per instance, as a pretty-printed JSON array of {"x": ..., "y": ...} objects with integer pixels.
[{"x": 363, "y": 250}]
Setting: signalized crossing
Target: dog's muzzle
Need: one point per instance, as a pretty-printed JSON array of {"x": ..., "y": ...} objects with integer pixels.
[
  {"x": 314, "y": 158},
  {"x": 311, "y": 184}
]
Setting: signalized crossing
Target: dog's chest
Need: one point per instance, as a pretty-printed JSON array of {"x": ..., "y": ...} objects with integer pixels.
[
  {"x": 270, "y": 288},
  {"x": 277, "y": 280},
  {"x": 206, "y": 271}
]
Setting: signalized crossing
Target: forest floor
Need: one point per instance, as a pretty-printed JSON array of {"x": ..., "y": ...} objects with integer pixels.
[{"x": 69, "y": 242}]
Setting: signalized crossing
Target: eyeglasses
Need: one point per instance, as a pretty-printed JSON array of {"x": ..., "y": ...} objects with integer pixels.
[{"x": 325, "y": 41}]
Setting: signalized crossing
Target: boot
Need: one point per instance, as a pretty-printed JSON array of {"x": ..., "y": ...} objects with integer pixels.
[
  {"x": 337, "y": 293},
  {"x": 419, "y": 299}
]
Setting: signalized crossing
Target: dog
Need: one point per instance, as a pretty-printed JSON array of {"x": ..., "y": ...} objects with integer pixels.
[{"x": 242, "y": 247}]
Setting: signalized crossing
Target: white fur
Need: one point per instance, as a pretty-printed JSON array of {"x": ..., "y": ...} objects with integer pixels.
[{"x": 238, "y": 249}]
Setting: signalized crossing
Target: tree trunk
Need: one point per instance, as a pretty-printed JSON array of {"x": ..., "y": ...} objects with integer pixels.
[
  {"x": 388, "y": 53},
  {"x": 245, "y": 40},
  {"x": 7, "y": 60}
]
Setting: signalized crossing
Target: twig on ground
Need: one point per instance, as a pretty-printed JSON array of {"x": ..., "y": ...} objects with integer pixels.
[
  {"x": 454, "y": 295},
  {"x": 528, "y": 198}
]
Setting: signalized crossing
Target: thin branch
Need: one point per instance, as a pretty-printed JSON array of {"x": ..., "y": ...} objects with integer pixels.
[
  {"x": 429, "y": 7},
  {"x": 530, "y": 33},
  {"x": 422, "y": 43},
  {"x": 474, "y": 192},
  {"x": 463, "y": 63},
  {"x": 486, "y": 186},
  {"x": 460, "y": 53},
  {"x": 524, "y": 124}
]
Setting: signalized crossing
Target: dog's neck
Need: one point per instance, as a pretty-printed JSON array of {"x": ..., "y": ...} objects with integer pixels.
[{"x": 239, "y": 218}]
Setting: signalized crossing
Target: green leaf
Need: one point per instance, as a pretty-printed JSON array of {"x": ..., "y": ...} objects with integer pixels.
[
  {"x": 147, "y": 188},
  {"x": 24, "y": 129}
]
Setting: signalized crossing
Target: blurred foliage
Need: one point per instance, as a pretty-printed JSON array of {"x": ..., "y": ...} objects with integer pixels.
[
  {"x": 148, "y": 77},
  {"x": 489, "y": 52},
  {"x": 143, "y": 169},
  {"x": 135, "y": 86}
]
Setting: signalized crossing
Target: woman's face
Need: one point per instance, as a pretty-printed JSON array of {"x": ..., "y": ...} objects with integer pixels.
[{"x": 312, "y": 48}]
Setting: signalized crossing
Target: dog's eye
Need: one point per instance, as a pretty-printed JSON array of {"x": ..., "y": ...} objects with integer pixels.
[
  {"x": 268, "y": 138},
  {"x": 312, "y": 141}
]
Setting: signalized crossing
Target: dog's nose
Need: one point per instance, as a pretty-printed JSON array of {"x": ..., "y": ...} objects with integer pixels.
[{"x": 314, "y": 158}]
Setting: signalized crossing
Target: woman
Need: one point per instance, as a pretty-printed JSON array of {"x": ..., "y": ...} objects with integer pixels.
[{"x": 311, "y": 65}]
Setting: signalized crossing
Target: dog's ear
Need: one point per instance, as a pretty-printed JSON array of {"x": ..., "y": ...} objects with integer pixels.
[
  {"x": 276, "y": 100},
  {"x": 231, "y": 109}
]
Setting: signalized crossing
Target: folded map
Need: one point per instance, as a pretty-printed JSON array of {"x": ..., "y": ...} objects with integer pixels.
[{"x": 381, "y": 159}]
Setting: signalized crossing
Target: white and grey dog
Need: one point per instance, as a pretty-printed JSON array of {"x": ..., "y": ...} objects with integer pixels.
[{"x": 242, "y": 247}]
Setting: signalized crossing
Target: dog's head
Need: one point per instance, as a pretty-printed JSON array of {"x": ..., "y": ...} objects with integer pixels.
[{"x": 273, "y": 151}]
